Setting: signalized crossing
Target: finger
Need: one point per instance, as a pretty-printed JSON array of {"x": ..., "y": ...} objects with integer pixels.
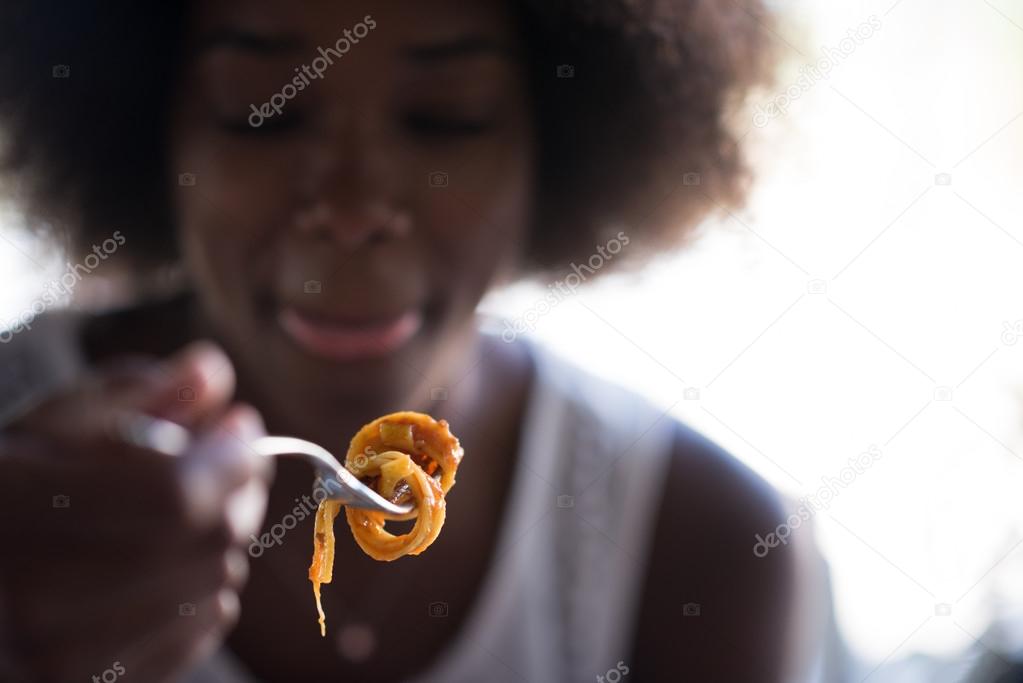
[
  {"x": 93, "y": 518},
  {"x": 190, "y": 388},
  {"x": 197, "y": 382},
  {"x": 139, "y": 652},
  {"x": 183, "y": 643},
  {"x": 130, "y": 599},
  {"x": 223, "y": 463},
  {"x": 183, "y": 388},
  {"x": 50, "y": 499},
  {"x": 127, "y": 504},
  {"x": 81, "y": 569},
  {"x": 141, "y": 505},
  {"x": 135, "y": 487}
]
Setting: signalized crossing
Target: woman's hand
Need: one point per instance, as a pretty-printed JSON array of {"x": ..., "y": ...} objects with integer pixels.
[{"x": 118, "y": 560}]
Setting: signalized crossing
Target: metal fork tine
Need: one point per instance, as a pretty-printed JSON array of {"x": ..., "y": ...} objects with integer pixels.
[{"x": 172, "y": 439}]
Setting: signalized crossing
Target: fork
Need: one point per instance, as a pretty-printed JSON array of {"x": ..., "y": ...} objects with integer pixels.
[{"x": 170, "y": 438}]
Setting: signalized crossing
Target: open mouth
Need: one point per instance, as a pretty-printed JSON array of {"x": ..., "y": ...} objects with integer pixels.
[{"x": 348, "y": 339}]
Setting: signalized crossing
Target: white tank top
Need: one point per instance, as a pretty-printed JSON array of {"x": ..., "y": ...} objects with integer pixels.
[{"x": 559, "y": 601}]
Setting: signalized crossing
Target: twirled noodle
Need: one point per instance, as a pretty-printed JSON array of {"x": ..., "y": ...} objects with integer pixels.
[{"x": 405, "y": 457}]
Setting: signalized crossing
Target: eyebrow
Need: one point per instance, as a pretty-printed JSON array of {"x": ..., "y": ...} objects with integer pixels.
[
  {"x": 247, "y": 41},
  {"x": 463, "y": 47}
]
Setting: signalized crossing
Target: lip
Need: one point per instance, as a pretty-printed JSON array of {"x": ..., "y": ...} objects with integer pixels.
[{"x": 347, "y": 339}]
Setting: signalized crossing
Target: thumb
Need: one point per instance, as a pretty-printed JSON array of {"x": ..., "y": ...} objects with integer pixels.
[
  {"x": 223, "y": 469},
  {"x": 189, "y": 388},
  {"x": 192, "y": 387}
]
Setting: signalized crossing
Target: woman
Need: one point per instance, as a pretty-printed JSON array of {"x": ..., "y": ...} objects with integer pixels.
[{"x": 338, "y": 185}]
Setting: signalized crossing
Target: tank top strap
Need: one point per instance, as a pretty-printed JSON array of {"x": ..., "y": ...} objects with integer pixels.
[
  {"x": 559, "y": 602},
  {"x": 613, "y": 457}
]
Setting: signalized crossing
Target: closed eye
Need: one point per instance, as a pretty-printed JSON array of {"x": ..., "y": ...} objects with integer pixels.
[
  {"x": 262, "y": 126},
  {"x": 429, "y": 125}
]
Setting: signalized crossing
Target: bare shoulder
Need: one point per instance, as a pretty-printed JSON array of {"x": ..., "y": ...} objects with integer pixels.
[{"x": 709, "y": 600}]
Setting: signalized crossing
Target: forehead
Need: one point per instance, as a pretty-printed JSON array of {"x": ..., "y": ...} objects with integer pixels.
[{"x": 308, "y": 24}]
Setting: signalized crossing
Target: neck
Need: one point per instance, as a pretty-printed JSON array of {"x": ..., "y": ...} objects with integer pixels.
[{"x": 450, "y": 388}]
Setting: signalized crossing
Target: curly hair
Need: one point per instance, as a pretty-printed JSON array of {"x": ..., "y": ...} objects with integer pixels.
[{"x": 633, "y": 105}]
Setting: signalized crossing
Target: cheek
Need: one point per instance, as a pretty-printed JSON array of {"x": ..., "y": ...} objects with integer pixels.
[
  {"x": 229, "y": 218},
  {"x": 479, "y": 221}
]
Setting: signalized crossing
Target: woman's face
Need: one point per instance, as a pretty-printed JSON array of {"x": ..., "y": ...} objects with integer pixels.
[{"x": 362, "y": 173}]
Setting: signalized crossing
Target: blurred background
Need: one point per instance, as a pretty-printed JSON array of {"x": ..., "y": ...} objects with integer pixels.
[{"x": 867, "y": 298}]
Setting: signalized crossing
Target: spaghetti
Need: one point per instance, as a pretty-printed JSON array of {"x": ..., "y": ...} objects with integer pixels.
[{"x": 405, "y": 457}]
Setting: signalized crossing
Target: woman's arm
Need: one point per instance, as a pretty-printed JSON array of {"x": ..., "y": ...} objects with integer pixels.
[
  {"x": 712, "y": 610},
  {"x": 109, "y": 545}
]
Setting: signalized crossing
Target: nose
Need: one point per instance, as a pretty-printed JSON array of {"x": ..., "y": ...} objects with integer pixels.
[
  {"x": 352, "y": 226},
  {"x": 348, "y": 193}
]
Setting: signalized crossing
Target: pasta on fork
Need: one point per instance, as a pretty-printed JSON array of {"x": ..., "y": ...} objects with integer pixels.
[{"x": 405, "y": 457}]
